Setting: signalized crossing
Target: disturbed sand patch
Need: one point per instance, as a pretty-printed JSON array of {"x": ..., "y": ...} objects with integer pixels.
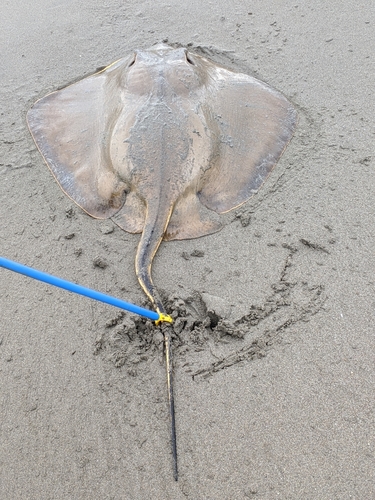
[{"x": 134, "y": 341}]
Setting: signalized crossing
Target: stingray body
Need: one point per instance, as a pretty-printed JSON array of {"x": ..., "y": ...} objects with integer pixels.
[{"x": 162, "y": 141}]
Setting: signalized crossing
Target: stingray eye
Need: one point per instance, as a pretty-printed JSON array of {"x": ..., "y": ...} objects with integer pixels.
[
  {"x": 189, "y": 59},
  {"x": 132, "y": 60}
]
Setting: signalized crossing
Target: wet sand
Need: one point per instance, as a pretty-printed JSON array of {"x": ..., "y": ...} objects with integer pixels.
[{"x": 274, "y": 390}]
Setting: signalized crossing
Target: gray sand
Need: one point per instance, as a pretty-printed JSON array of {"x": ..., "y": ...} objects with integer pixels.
[{"x": 286, "y": 408}]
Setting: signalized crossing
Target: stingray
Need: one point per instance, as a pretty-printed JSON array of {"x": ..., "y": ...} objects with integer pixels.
[{"x": 162, "y": 141}]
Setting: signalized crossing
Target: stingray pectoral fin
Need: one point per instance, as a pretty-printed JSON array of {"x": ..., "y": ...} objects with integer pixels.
[
  {"x": 251, "y": 125},
  {"x": 131, "y": 217},
  {"x": 72, "y": 129},
  {"x": 190, "y": 219}
]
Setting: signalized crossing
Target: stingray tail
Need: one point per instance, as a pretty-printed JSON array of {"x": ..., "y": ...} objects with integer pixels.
[{"x": 156, "y": 223}]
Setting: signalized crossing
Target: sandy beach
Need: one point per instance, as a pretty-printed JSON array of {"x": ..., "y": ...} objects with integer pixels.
[{"x": 279, "y": 402}]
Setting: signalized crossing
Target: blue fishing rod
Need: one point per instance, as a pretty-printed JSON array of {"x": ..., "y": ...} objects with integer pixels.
[{"x": 81, "y": 290}]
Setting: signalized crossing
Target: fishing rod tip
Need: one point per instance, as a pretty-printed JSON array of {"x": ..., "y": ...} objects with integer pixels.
[{"x": 163, "y": 318}]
